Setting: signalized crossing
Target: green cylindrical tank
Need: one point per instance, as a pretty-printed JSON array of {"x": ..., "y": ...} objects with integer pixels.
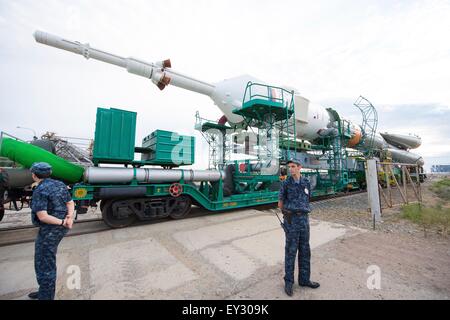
[{"x": 26, "y": 154}]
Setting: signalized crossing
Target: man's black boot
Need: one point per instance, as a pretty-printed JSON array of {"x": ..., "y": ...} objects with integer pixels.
[
  {"x": 288, "y": 289},
  {"x": 310, "y": 284},
  {"x": 33, "y": 295}
]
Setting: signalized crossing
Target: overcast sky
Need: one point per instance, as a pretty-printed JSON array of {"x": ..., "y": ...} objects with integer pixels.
[{"x": 395, "y": 53}]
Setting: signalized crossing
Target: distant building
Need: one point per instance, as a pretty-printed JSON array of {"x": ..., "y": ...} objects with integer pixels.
[{"x": 441, "y": 168}]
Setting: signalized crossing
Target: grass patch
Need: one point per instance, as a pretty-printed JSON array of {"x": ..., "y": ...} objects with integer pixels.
[
  {"x": 428, "y": 217},
  {"x": 442, "y": 188},
  {"x": 412, "y": 212}
]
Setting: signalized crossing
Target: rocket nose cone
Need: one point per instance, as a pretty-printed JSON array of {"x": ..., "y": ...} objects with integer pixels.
[
  {"x": 38, "y": 36},
  {"x": 42, "y": 37}
]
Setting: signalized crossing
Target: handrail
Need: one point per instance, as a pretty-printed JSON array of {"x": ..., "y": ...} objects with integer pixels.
[{"x": 270, "y": 96}]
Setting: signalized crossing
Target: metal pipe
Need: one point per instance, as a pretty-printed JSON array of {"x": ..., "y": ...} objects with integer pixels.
[
  {"x": 96, "y": 175},
  {"x": 15, "y": 178},
  {"x": 122, "y": 192}
]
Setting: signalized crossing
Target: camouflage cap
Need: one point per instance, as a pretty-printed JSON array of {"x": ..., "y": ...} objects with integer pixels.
[
  {"x": 42, "y": 168},
  {"x": 294, "y": 160}
]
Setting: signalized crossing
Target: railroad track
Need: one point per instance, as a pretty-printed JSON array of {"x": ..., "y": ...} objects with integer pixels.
[
  {"x": 24, "y": 234},
  {"x": 28, "y": 233},
  {"x": 320, "y": 199},
  {"x": 337, "y": 195}
]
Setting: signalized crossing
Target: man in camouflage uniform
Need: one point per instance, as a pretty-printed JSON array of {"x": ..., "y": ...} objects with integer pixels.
[
  {"x": 52, "y": 210},
  {"x": 293, "y": 200}
]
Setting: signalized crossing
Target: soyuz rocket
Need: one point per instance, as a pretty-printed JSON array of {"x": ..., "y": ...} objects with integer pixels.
[{"x": 312, "y": 120}]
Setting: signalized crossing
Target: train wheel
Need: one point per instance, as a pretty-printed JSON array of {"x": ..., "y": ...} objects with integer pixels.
[
  {"x": 180, "y": 207},
  {"x": 117, "y": 218},
  {"x": 2, "y": 200},
  {"x": 102, "y": 204}
]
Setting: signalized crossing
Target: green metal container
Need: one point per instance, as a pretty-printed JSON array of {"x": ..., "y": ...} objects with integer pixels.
[
  {"x": 169, "y": 148},
  {"x": 115, "y": 134}
]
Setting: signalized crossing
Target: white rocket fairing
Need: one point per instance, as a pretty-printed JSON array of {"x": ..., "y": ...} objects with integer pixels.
[{"x": 312, "y": 120}]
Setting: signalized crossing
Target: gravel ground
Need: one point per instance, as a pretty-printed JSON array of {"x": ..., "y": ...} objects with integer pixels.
[{"x": 353, "y": 211}]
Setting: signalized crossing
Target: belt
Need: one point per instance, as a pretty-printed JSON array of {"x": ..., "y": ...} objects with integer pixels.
[{"x": 299, "y": 212}]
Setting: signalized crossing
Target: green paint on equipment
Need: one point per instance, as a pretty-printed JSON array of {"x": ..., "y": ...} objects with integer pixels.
[
  {"x": 115, "y": 134},
  {"x": 26, "y": 154}
]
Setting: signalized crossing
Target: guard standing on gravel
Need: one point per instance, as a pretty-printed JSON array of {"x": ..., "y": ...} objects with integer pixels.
[
  {"x": 52, "y": 210},
  {"x": 293, "y": 200}
]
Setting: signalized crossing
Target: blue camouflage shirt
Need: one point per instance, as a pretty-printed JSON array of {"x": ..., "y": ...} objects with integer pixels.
[
  {"x": 295, "y": 195},
  {"x": 51, "y": 196}
]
